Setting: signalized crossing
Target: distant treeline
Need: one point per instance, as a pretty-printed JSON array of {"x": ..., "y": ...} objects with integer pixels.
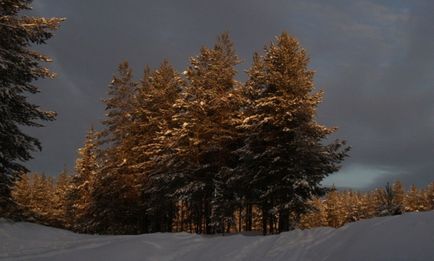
[
  {"x": 44, "y": 200},
  {"x": 191, "y": 151}
]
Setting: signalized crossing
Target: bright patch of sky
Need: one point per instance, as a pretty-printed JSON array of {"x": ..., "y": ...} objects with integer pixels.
[{"x": 357, "y": 176}]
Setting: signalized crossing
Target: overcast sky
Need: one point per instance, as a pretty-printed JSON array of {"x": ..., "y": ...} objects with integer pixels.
[{"x": 373, "y": 59}]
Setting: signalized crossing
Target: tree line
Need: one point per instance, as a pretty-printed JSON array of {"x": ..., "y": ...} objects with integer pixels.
[
  {"x": 338, "y": 208},
  {"x": 44, "y": 200}
]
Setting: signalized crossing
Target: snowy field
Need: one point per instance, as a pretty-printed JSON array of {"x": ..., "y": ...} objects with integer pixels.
[{"x": 406, "y": 237}]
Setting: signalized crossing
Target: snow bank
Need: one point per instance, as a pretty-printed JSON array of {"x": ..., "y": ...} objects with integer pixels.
[{"x": 406, "y": 237}]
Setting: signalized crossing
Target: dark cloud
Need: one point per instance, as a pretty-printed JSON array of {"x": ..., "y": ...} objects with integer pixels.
[{"x": 373, "y": 59}]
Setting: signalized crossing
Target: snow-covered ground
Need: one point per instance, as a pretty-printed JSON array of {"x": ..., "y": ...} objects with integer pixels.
[{"x": 406, "y": 237}]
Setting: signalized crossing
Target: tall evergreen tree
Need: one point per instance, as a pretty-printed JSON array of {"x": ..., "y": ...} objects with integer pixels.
[
  {"x": 284, "y": 155},
  {"x": 152, "y": 123},
  {"x": 114, "y": 209},
  {"x": 19, "y": 67},
  {"x": 204, "y": 131},
  {"x": 79, "y": 192}
]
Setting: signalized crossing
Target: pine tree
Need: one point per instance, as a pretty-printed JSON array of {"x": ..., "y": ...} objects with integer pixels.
[
  {"x": 156, "y": 96},
  {"x": 363, "y": 206},
  {"x": 317, "y": 217},
  {"x": 414, "y": 200},
  {"x": 41, "y": 200},
  {"x": 19, "y": 68},
  {"x": 59, "y": 199},
  {"x": 336, "y": 214},
  {"x": 352, "y": 205},
  {"x": 388, "y": 205},
  {"x": 373, "y": 203},
  {"x": 284, "y": 155},
  {"x": 204, "y": 131},
  {"x": 399, "y": 194},
  {"x": 116, "y": 198},
  {"x": 80, "y": 187},
  {"x": 430, "y": 196},
  {"x": 22, "y": 195}
]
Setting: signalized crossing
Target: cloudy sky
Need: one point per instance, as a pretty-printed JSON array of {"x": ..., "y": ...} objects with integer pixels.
[{"x": 373, "y": 59}]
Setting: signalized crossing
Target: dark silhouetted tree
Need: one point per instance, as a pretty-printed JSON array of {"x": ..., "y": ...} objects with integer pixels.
[{"x": 19, "y": 68}]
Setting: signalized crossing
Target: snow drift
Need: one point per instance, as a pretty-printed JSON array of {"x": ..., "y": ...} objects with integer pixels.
[{"x": 406, "y": 237}]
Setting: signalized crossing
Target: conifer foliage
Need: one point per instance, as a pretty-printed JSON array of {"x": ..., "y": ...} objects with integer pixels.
[
  {"x": 41, "y": 198},
  {"x": 203, "y": 133},
  {"x": 78, "y": 194},
  {"x": 19, "y": 67},
  {"x": 338, "y": 208},
  {"x": 45, "y": 200},
  {"x": 283, "y": 156},
  {"x": 153, "y": 122},
  {"x": 114, "y": 209},
  {"x": 203, "y": 152},
  {"x": 196, "y": 151}
]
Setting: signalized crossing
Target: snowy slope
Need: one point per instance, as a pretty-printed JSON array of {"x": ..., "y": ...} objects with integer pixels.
[{"x": 406, "y": 237}]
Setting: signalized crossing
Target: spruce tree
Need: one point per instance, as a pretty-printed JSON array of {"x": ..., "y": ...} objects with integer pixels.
[
  {"x": 205, "y": 131},
  {"x": 19, "y": 68},
  {"x": 156, "y": 96},
  {"x": 336, "y": 214},
  {"x": 59, "y": 196},
  {"x": 399, "y": 195},
  {"x": 373, "y": 203},
  {"x": 22, "y": 195},
  {"x": 79, "y": 191},
  {"x": 284, "y": 157},
  {"x": 358, "y": 206},
  {"x": 414, "y": 200},
  {"x": 115, "y": 195},
  {"x": 317, "y": 217},
  {"x": 388, "y": 205},
  {"x": 41, "y": 200},
  {"x": 429, "y": 192}
]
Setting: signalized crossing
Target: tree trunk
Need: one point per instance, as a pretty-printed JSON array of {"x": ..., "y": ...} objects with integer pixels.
[
  {"x": 271, "y": 220},
  {"x": 283, "y": 220},
  {"x": 264, "y": 221},
  {"x": 182, "y": 217},
  {"x": 240, "y": 210},
  {"x": 249, "y": 217}
]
